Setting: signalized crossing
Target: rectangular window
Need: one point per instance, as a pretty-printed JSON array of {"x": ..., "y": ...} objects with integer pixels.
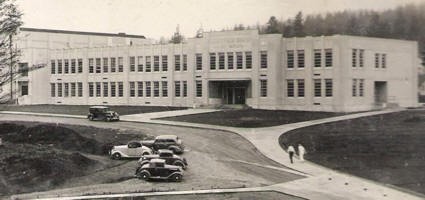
[
  {"x": 354, "y": 57},
  {"x": 361, "y": 87},
  {"x": 177, "y": 62},
  {"x": 361, "y": 57},
  {"x": 290, "y": 88},
  {"x": 52, "y": 89},
  {"x": 120, "y": 89},
  {"x": 220, "y": 60},
  {"x": 105, "y": 89},
  {"x": 248, "y": 60},
  {"x": 184, "y": 88},
  {"x": 198, "y": 88},
  {"x": 80, "y": 65},
  {"x": 59, "y": 89},
  {"x": 300, "y": 58},
  {"x": 113, "y": 65},
  {"x": 156, "y": 63},
  {"x": 59, "y": 66},
  {"x": 98, "y": 89},
  {"x": 263, "y": 88},
  {"x": 113, "y": 89},
  {"x": 53, "y": 67},
  {"x": 354, "y": 88},
  {"x": 140, "y": 88},
  {"x": 177, "y": 88},
  {"x": 73, "y": 89},
  {"x": 98, "y": 68},
  {"x": 212, "y": 61},
  {"x": 66, "y": 89},
  {"x": 91, "y": 89},
  {"x": 328, "y": 57},
  {"x": 184, "y": 62},
  {"x": 317, "y": 87},
  {"x": 73, "y": 65},
  {"x": 105, "y": 65},
  {"x": 164, "y": 85},
  {"x": 301, "y": 87},
  {"x": 317, "y": 58},
  {"x": 230, "y": 60},
  {"x": 156, "y": 89},
  {"x": 132, "y": 89},
  {"x": 328, "y": 87},
  {"x": 198, "y": 61},
  {"x": 66, "y": 66},
  {"x": 384, "y": 60},
  {"x": 263, "y": 59},
  {"x": 140, "y": 63},
  {"x": 148, "y": 64},
  {"x": 164, "y": 63},
  {"x": 120, "y": 64},
  {"x": 148, "y": 89},
  {"x": 80, "y": 89},
  {"x": 239, "y": 60},
  {"x": 376, "y": 60},
  {"x": 290, "y": 59}
]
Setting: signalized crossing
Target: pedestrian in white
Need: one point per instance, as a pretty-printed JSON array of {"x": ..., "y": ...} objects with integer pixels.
[
  {"x": 301, "y": 152},
  {"x": 291, "y": 152}
]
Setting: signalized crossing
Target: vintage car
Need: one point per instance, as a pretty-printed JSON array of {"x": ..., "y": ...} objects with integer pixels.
[
  {"x": 157, "y": 169},
  {"x": 133, "y": 149},
  {"x": 102, "y": 113},
  {"x": 166, "y": 155},
  {"x": 170, "y": 142}
]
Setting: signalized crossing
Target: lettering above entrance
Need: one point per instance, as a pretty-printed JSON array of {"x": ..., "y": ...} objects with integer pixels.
[{"x": 230, "y": 44}]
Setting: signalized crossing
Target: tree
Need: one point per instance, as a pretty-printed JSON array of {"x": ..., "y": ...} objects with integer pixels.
[
  {"x": 177, "y": 36},
  {"x": 272, "y": 25},
  {"x": 299, "y": 25}
]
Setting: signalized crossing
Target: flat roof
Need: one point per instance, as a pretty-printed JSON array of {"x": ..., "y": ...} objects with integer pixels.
[{"x": 82, "y": 33}]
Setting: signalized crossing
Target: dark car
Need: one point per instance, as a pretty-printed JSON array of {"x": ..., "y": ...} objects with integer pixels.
[
  {"x": 102, "y": 113},
  {"x": 166, "y": 155},
  {"x": 170, "y": 142},
  {"x": 157, "y": 169}
]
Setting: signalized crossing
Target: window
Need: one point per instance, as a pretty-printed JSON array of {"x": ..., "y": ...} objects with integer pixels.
[
  {"x": 361, "y": 87},
  {"x": 53, "y": 67},
  {"x": 140, "y": 63},
  {"x": 120, "y": 89},
  {"x": 328, "y": 57},
  {"x": 98, "y": 89},
  {"x": 23, "y": 69},
  {"x": 263, "y": 59},
  {"x": 120, "y": 64},
  {"x": 113, "y": 89},
  {"x": 59, "y": 89},
  {"x": 361, "y": 57},
  {"x": 164, "y": 85},
  {"x": 156, "y": 63},
  {"x": 66, "y": 89},
  {"x": 66, "y": 66},
  {"x": 290, "y": 88},
  {"x": 98, "y": 69},
  {"x": 113, "y": 65},
  {"x": 184, "y": 88},
  {"x": 73, "y": 89},
  {"x": 177, "y": 88},
  {"x": 317, "y": 87},
  {"x": 301, "y": 58},
  {"x": 212, "y": 61},
  {"x": 156, "y": 89},
  {"x": 164, "y": 63},
  {"x": 220, "y": 60},
  {"x": 376, "y": 60},
  {"x": 140, "y": 88},
  {"x": 80, "y": 65},
  {"x": 328, "y": 88},
  {"x": 105, "y": 89},
  {"x": 148, "y": 89},
  {"x": 248, "y": 60},
  {"x": 91, "y": 91},
  {"x": 80, "y": 89},
  {"x": 384, "y": 60},
  {"x": 354, "y": 58},
  {"x": 239, "y": 60},
  {"x": 177, "y": 62},
  {"x": 24, "y": 90},
  {"x": 317, "y": 58},
  {"x": 301, "y": 87},
  {"x": 59, "y": 66},
  {"x": 52, "y": 89},
  {"x": 198, "y": 61},
  {"x": 290, "y": 59},
  {"x": 184, "y": 62},
  {"x": 73, "y": 66},
  {"x": 132, "y": 89},
  {"x": 263, "y": 88},
  {"x": 105, "y": 65},
  {"x": 148, "y": 64},
  {"x": 354, "y": 88},
  {"x": 198, "y": 88}
]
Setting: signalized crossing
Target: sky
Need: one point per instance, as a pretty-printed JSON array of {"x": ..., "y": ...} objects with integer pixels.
[{"x": 159, "y": 18}]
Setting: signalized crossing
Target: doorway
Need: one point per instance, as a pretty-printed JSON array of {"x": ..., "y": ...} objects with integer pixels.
[
  {"x": 380, "y": 92},
  {"x": 235, "y": 95}
]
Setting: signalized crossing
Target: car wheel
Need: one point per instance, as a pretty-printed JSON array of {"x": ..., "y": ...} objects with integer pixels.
[
  {"x": 144, "y": 175},
  {"x": 177, "y": 177},
  {"x": 116, "y": 156},
  {"x": 108, "y": 119},
  {"x": 91, "y": 118}
]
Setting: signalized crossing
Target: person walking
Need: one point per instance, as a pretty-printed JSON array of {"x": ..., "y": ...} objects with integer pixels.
[
  {"x": 291, "y": 152},
  {"x": 301, "y": 152}
]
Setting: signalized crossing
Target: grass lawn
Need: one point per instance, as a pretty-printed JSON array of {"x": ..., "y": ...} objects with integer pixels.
[
  {"x": 84, "y": 109},
  {"x": 252, "y": 118},
  {"x": 387, "y": 148}
]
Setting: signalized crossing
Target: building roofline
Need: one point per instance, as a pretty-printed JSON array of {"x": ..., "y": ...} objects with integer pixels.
[{"x": 82, "y": 33}]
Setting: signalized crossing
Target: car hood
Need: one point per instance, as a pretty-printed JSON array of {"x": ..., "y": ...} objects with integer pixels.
[
  {"x": 121, "y": 147},
  {"x": 148, "y": 142}
]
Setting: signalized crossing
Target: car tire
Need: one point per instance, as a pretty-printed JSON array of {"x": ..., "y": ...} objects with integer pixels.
[
  {"x": 180, "y": 164},
  {"x": 116, "y": 156},
  {"x": 177, "y": 177},
  {"x": 144, "y": 175},
  {"x": 91, "y": 118},
  {"x": 108, "y": 119}
]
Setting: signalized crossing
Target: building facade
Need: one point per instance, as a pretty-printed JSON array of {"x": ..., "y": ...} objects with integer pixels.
[{"x": 333, "y": 73}]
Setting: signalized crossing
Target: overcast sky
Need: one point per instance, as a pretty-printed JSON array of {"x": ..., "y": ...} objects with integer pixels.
[{"x": 156, "y": 18}]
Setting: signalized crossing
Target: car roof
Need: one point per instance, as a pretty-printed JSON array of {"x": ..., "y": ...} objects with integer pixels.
[
  {"x": 156, "y": 160},
  {"x": 164, "y": 151},
  {"x": 98, "y": 107},
  {"x": 167, "y": 137}
]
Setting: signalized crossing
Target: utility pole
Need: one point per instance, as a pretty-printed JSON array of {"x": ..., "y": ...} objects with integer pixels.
[{"x": 11, "y": 68}]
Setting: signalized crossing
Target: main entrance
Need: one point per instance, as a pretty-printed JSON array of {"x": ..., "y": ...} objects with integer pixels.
[
  {"x": 235, "y": 95},
  {"x": 230, "y": 92}
]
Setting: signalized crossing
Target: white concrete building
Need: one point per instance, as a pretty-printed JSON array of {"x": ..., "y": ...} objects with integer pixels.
[{"x": 333, "y": 73}]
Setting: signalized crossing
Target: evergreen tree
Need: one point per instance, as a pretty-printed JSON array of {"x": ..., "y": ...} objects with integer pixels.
[
  {"x": 272, "y": 25},
  {"x": 299, "y": 25}
]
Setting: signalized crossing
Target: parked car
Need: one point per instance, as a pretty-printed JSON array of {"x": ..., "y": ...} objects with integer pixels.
[
  {"x": 133, "y": 149},
  {"x": 166, "y": 155},
  {"x": 102, "y": 113},
  {"x": 157, "y": 169},
  {"x": 170, "y": 142}
]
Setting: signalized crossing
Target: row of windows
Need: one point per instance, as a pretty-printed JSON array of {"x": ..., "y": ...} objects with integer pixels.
[
  {"x": 66, "y": 89},
  {"x": 232, "y": 60},
  {"x": 105, "y": 89},
  {"x": 297, "y": 58},
  {"x": 380, "y": 60},
  {"x": 317, "y": 83},
  {"x": 66, "y": 66},
  {"x": 358, "y": 87},
  {"x": 296, "y": 87}
]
